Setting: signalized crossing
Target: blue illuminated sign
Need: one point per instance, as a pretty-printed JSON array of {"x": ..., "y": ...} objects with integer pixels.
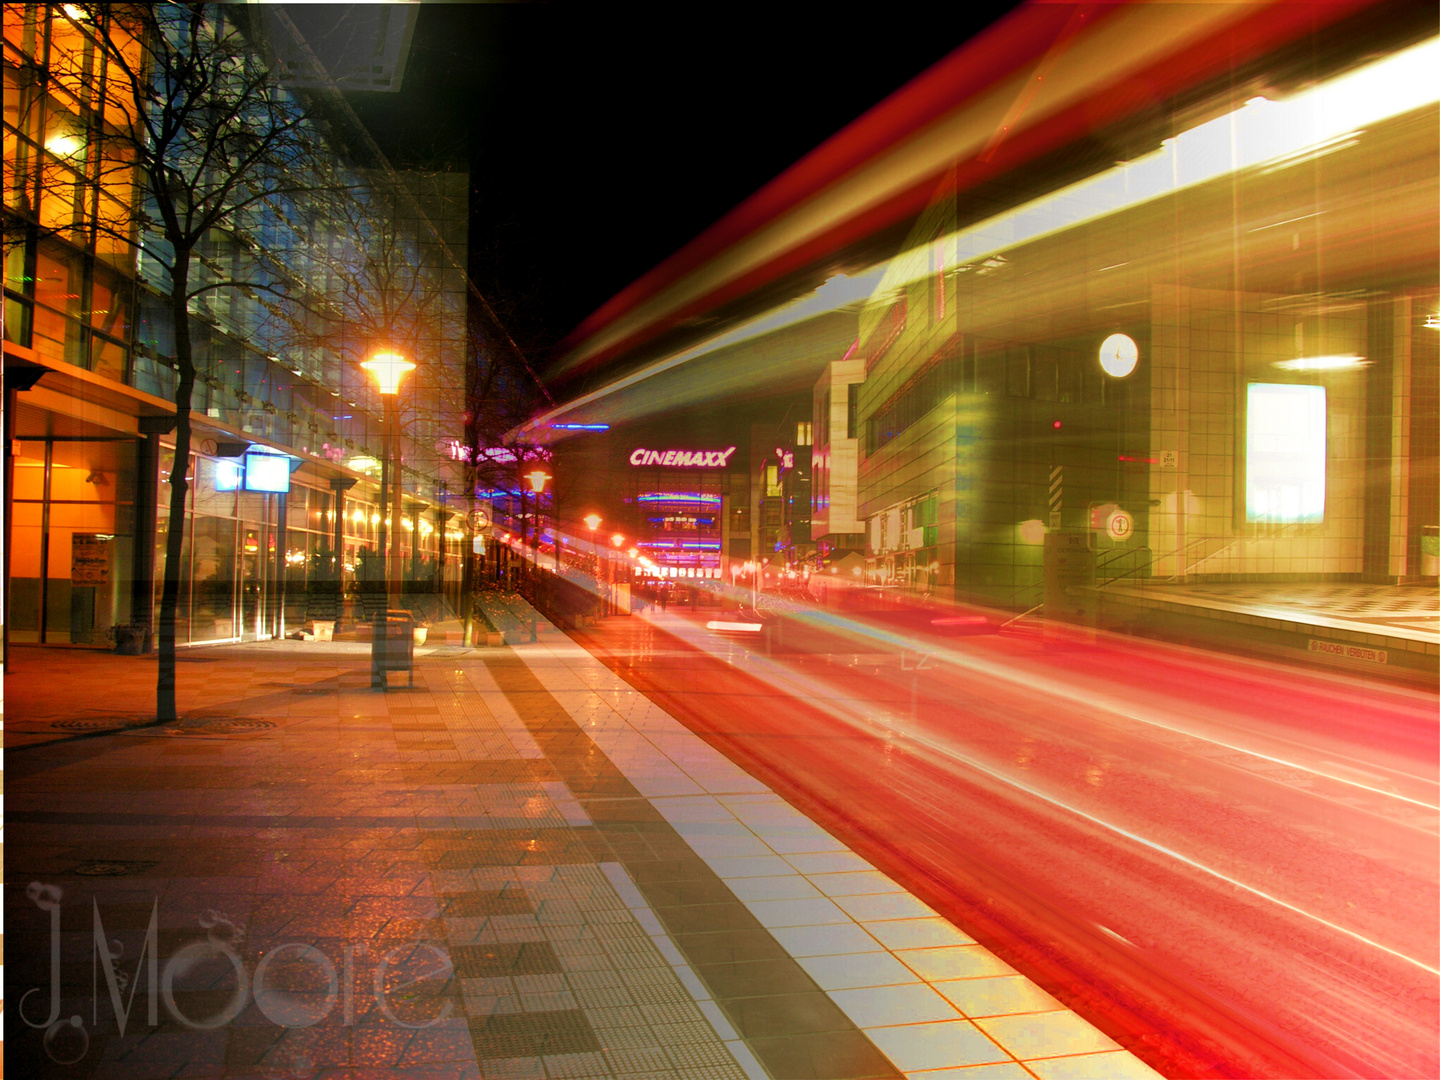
[
  {"x": 267, "y": 472},
  {"x": 679, "y": 496},
  {"x": 229, "y": 475}
]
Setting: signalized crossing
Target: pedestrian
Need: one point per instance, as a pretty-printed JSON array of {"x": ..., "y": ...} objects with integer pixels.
[{"x": 664, "y": 597}]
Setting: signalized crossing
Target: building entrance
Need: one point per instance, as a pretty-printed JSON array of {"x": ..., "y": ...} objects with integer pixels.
[{"x": 72, "y": 531}]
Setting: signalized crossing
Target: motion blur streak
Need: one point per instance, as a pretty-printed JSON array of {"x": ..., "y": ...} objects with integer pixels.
[
  {"x": 1067, "y": 690},
  {"x": 965, "y": 759},
  {"x": 1261, "y": 134},
  {"x": 1245, "y": 890}
]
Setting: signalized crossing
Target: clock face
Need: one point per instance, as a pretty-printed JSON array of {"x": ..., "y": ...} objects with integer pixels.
[{"x": 1119, "y": 355}]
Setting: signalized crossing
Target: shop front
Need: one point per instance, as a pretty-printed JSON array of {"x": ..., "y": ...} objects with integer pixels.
[{"x": 260, "y": 558}]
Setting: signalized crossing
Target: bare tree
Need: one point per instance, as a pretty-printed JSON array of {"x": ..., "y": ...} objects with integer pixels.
[{"x": 192, "y": 126}]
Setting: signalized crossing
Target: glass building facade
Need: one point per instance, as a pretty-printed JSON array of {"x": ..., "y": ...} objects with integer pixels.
[
  {"x": 1215, "y": 361},
  {"x": 88, "y": 341}
]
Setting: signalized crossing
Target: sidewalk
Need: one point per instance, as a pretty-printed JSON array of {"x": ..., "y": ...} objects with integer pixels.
[{"x": 521, "y": 868}]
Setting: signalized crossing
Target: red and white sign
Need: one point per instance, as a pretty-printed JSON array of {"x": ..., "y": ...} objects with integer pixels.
[
  {"x": 1341, "y": 651},
  {"x": 1119, "y": 525}
]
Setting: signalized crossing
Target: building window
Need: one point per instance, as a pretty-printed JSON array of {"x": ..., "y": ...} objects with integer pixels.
[
  {"x": 803, "y": 432},
  {"x": 852, "y": 411}
]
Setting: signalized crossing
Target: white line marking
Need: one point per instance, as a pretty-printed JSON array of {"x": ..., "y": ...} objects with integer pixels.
[
  {"x": 1137, "y": 838},
  {"x": 1281, "y": 761},
  {"x": 1071, "y": 694}
]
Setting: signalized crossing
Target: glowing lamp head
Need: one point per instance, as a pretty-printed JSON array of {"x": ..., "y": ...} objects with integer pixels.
[
  {"x": 388, "y": 369},
  {"x": 592, "y": 521},
  {"x": 1118, "y": 355},
  {"x": 617, "y": 539},
  {"x": 1348, "y": 362},
  {"x": 66, "y": 145},
  {"x": 538, "y": 479},
  {"x": 633, "y": 552}
]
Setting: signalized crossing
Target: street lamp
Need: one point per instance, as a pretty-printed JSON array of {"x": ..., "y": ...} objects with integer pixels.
[
  {"x": 388, "y": 369},
  {"x": 592, "y": 522},
  {"x": 538, "y": 479}
]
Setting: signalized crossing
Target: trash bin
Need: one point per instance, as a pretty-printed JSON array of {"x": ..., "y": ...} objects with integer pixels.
[
  {"x": 130, "y": 639},
  {"x": 392, "y": 647}
]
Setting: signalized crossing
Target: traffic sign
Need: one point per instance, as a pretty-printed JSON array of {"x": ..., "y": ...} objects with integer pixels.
[
  {"x": 1120, "y": 525},
  {"x": 479, "y": 519}
]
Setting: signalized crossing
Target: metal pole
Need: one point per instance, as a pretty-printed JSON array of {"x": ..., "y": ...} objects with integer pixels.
[
  {"x": 392, "y": 594},
  {"x": 382, "y": 539},
  {"x": 280, "y": 565},
  {"x": 524, "y": 567},
  {"x": 340, "y": 485}
]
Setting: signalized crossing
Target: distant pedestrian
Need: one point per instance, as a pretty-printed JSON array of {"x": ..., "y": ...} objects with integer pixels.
[{"x": 664, "y": 597}]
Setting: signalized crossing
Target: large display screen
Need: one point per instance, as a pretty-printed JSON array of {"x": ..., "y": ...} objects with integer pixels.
[
  {"x": 267, "y": 472},
  {"x": 1285, "y": 453},
  {"x": 229, "y": 474}
]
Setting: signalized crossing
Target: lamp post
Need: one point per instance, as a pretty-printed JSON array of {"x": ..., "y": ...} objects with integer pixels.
[
  {"x": 538, "y": 479},
  {"x": 388, "y": 369},
  {"x": 612, "y": 601},
  {"x": 592, "y": 522}
]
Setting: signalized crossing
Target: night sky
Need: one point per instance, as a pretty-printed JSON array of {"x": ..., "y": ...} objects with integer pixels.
[{"x": 601, "y": 140}]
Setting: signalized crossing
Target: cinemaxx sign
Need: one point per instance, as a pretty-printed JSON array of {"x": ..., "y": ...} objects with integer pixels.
[{"x": 682, "y": 459}]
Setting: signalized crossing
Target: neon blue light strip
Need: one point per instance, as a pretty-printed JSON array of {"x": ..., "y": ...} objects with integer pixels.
[
  {"x": 679, "y": 496},
  {"x": 581, "y": 427}
]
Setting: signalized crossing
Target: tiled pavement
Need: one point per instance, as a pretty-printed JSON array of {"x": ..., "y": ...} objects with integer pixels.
[{"x": 520, "y": 868}]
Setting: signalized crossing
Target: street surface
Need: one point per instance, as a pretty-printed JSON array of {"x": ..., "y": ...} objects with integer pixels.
[{"x": 1230, "y": 866}]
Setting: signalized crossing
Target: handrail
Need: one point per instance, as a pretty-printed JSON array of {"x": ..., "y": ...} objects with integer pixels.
[
  {"x": 1022, "y": 615},
  {"x": 1180, "y": 551},
  {"x": 1118, "y": 554}
]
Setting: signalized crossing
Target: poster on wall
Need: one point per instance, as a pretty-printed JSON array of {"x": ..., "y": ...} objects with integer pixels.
[
  {"x": 1285, "y": 453},
  {"x": 90, "y": 558}
]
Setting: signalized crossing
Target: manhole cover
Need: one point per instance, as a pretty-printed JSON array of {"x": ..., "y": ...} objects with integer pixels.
[
  {"x": 90, "y": 725},
  {"x": 232, "y": 725},
  {"x": 111, "y": 867},
  {"x": 211, "y": 726}
]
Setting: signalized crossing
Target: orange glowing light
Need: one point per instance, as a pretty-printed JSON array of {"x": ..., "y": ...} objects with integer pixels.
[{"x": 388, "y": 369}]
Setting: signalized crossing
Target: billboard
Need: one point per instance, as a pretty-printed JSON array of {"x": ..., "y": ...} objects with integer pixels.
[
  {"x": 267, "y": 472},
  {"x": 1284, "y": 453}
]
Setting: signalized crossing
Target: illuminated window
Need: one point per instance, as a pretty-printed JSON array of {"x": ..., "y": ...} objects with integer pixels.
[
  {"x": 1285, "y": 453},
  {"x": 803, "y": 432}
]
